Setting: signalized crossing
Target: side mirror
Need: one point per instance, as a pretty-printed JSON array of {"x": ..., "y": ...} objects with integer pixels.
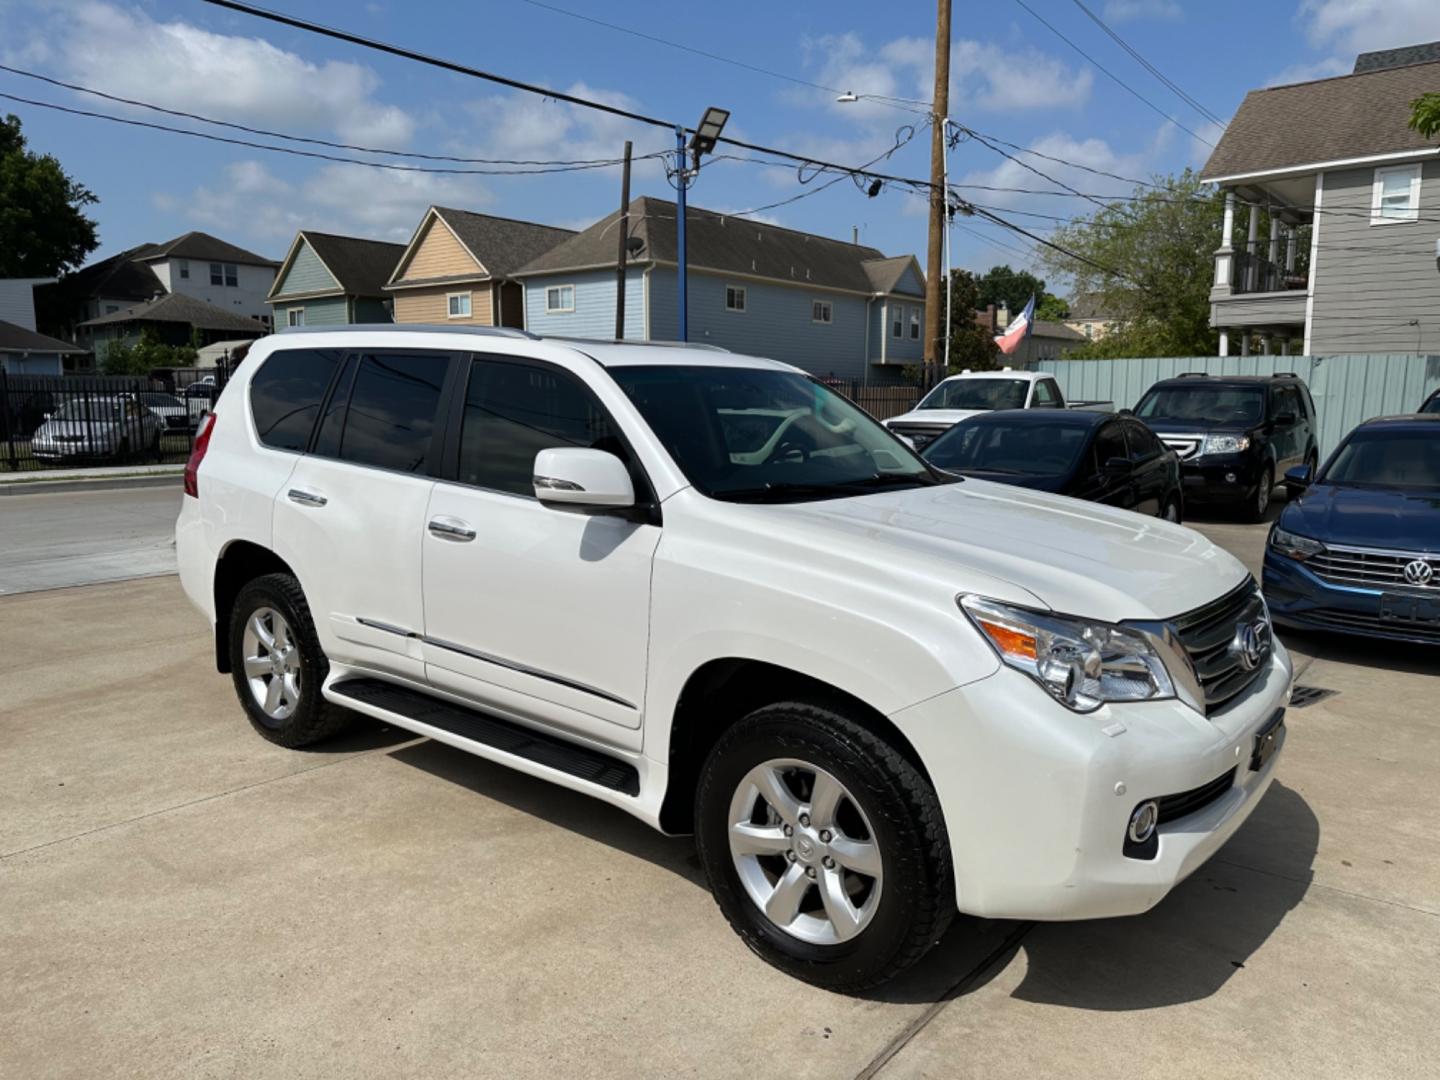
[
  {"x": 571, "y": 476},
  {"x": 1117, "y": 467},
  {"x": 1298, "y": 478}
]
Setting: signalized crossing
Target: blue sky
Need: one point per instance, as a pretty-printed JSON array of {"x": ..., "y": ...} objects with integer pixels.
[{"x": 1011, "y": 77}]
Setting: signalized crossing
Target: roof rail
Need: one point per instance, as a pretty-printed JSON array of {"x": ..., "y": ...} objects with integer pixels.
[
  {"x": 1193, "y": 375},
  {"x": 700, "y": 345},
  {"x": 1286, "y": 375},
  {"x": 400, "y": 328}
]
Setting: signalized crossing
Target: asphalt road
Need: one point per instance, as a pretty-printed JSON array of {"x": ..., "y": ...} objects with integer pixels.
[
  {"x": 58, "y": 539},
  {"x": 182, "y": 899}
]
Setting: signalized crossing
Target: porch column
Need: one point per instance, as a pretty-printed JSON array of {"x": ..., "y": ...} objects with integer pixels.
[
  {"x": 1285, "y": 345},
  {"x": 1272, "y": 271},
  {"x": 1266, "y": 346},
  {"x": 1224, "y": 342},
  {"x": 1245, "y": 343},
  {"x": 1290, "y": 243},
  {"x": 1252, "y": 238},
  {"x": 1225, "y": 255}
]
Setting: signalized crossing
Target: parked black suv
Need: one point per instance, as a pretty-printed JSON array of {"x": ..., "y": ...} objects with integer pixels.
[{"x": 1235, "y": 434}]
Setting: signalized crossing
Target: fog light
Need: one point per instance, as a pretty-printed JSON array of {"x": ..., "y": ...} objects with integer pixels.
[
  {"x": 1229, "y": 477},
  {"x": 1143, "y": 822}
]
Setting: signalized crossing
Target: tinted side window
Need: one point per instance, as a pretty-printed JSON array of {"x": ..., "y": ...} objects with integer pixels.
[
  {"x": 1109, "y": 443},
  {"x": 1143, "y": 444},
  {"x": 392, "y": 410},
  {"x": 513, "y": 411},
  {"x": 285, "y": 395},
  {"x": 1047, "y": 395},
  {"x": 332, "y": 424}
]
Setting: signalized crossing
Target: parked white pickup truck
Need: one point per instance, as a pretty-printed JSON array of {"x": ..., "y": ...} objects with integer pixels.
[{"x": 962, "y": 396}]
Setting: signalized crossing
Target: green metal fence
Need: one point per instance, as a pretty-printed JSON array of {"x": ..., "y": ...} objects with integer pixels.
[{"x": 1346, "y": 389}]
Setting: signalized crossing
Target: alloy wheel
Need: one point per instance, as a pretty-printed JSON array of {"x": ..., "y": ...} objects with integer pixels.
[
  {"x": 272, "y": 663},
  {"x": 805, "y": 852}
]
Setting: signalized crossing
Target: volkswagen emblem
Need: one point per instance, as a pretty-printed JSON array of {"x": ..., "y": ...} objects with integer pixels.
[
  {"x": 1419, "y": 572},
  {"x": 1250, "y": 644}
]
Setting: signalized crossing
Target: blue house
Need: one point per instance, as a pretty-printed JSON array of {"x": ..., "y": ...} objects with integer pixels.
[
  {"x": 329, "y": 280},
  {"x": 831, "y": 307},
  {"x": 25, "y": 352}
]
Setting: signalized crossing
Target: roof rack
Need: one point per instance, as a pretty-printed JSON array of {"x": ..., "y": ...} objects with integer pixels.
[
  {"x": 1286, "y": 375},
  {"x": 1193, "y": 375},
  {"x": 702, "y": 346},
  {"x": 401, "y": 328}
]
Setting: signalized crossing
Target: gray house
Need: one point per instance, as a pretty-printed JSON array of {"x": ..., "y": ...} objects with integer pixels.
[
  {"x": 828, "y": 306},
  {"x": 25, "y": 352},
  {"x": 329, "y": 280},
  {"x": 1332, "y": 214}
]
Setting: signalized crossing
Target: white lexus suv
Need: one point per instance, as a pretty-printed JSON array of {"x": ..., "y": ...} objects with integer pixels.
[{"x": 710, "y": 591}]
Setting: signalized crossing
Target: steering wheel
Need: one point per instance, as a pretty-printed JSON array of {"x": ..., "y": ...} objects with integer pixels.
[{"x": 788, "y": 449}]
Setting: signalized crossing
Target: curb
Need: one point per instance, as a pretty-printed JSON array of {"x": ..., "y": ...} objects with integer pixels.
[{"x": 94, "y": 483}]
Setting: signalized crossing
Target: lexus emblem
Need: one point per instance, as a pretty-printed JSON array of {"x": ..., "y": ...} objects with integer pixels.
[
  {"x": 1250, "y": 642},
  {"x": 1419, "y": 572}
]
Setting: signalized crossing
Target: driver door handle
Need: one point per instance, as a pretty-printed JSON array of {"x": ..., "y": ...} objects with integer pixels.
[
  {"x": 306, "y": 498},
  {"x": 453, "y": 529}
]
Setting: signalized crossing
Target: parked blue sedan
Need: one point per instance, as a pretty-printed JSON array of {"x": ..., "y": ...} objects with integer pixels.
[{"x": 1359, "y": 549}]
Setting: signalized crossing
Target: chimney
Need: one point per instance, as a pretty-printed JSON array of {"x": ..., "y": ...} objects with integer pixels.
[{"x": 855, "y": 234}]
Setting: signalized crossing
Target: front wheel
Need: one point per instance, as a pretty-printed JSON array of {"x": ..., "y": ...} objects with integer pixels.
[
  {"x": 824, "y": 847},
  {"x": 1260, "y": 504},
  {"x": 1171, "y": 511}
]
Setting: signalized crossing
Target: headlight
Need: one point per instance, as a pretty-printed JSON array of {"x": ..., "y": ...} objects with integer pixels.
[
  {"x": 1226, "y": 444},
  {"x": 1294, "y": 546},
  {"x": 1082, "y": 664}
]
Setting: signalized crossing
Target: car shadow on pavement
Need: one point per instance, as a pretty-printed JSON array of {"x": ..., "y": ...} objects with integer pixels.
[
  {"x": 1414, "y": 659},
  {"x": 363, "y": 734}
]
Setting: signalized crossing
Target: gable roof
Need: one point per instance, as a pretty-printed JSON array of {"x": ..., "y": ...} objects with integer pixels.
[
  {"x": 1390, "y": 58},
  {"x": 885, "y": 274},
  {"x": 499, "y": 246},
  {"x": 1349, "y": 116},
  {"x": 178, "y": 308},
  {"x": 119, "y": 277},
  {"x": 201, "y": 247},
  {"x": 718, "y": 242},
  {"x": 360, "y": 267},
  {"x": 17, "y": 339}
]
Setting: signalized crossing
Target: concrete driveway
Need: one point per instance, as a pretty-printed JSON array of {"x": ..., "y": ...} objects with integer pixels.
[{"x": 182, "y": 899}]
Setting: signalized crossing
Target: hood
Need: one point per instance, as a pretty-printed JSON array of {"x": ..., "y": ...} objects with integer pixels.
[
  {"x": 1024, "y": 480},
  {"x": 52, "y": 428},
  {"x": 1077, "y": 557},
  {"x": 1191, "y": 427},
  {"x": 938, "y": 417},
  {"x": 1366, "y": 517}
]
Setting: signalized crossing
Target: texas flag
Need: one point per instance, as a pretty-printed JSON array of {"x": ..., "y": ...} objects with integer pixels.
[{"x": 1018, "y": 330}]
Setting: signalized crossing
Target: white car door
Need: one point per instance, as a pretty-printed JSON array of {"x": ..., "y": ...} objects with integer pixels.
[
  {"x": 533, "y": 611},
  {"x": 350, "y": 517}
]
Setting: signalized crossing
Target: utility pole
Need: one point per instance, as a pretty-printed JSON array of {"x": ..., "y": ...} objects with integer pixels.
[
  {"x": 934, "y": 271},
  {"x": 682, "y": 176},
  {"x": 624, "y": 227}
]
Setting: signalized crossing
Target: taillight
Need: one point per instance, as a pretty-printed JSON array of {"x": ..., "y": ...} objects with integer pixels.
[{"x": 197, "y": 455}]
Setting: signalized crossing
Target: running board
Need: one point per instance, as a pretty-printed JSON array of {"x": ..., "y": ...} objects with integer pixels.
[{"x": 478, "y": 727}]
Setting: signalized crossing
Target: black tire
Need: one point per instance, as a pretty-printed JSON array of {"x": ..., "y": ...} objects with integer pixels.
[
  {"x": 1258, "y": 507},
  {"x": 1173, "y": 503},
  {"x": 917, "y": 900},
  {"x": 313, "y": 718}
]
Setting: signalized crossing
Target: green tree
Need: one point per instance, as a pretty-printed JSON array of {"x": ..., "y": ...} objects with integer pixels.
[
  {"x": 143, "y": 356},
  {"x": 42, "y": 229},
  {"x": 1001, "y": 285},
  {"x": 971, "y": 345},
  {"x": 1052, "y": 308},
  {"x": 1150, "y": 261},
  {"x": 1425, "y": 115}
]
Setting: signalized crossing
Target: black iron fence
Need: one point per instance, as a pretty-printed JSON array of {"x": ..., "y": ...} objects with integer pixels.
[
  {"x": 71, "y": 421},
  {"x": 1278, "y": 267},
  {"x": 881, "y": 402}
]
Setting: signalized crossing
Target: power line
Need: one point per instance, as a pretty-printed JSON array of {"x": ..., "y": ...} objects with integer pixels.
[
  {"x": 295, "y": 138},
  {"x": 1101, "y": 67},
  {"x": 1148, "y": 66}
]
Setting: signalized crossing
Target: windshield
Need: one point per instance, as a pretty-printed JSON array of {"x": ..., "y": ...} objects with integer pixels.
[
  {"x": 160, "y": 401},
  {"x": 978, "y": 394},
  {"x": 1204, "y": 404},
  {"x": 749, "y": 434},
  {"x": 88, "y": 409},
  {"x": 1408, "y": 459},
  {"x": 1025, "y": 449}
]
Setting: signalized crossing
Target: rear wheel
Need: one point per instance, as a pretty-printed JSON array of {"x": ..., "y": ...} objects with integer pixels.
[
  {"x": 278, "y": 666},
  {"x": 824, "y": 847}
]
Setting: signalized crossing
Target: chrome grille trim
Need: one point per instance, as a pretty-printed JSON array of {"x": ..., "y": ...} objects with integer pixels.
[
  {"x": 1382, "y": 567},
  {"x": 1185, "y": 446},
  {"x": 1208, "y": 634}
]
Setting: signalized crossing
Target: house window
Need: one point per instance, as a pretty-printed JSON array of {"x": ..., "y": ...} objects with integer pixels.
[
  {"x": 185, "y": 268},
  {"x": 897, "y": 320},
  {"x": 1396, "y": 195},
  {"x": 111, "y": 309},
  {"x": 820, "y": 311},
  {"x": 914, "y": 324},
  {"x": 295, "y": 316},
  {"x": 734, "y": 298},
  {"x": 232, "y": 275},
  {"x": 560, "y": 298},
  {"x": 457, "y": 305},
  {"x": 217, "y": 274}
]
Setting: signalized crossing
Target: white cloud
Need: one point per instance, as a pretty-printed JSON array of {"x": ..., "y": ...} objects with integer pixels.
[
  {"x": 1128, "y": 10},
  {"x": 230, "y": 77},
  {"x": 1354, "y": 26}
]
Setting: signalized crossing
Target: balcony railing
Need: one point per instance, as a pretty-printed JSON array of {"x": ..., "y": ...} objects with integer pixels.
[{"x": 1263, "y": 267}]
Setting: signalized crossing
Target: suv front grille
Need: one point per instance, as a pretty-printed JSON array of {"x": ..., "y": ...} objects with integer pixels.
[
  {"x": 1362, "y": 566},
  {"x": 1211, "y": 636},
  {"x": 1186, "y": 446}
]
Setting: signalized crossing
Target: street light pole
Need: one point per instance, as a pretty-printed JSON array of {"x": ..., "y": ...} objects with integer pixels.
[
  {"x": 682, "y": 175},
  {"x": 938, "y": 199}
]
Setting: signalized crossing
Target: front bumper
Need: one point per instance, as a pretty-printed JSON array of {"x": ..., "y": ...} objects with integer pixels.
[
  {"x": 1220, "y": 477},
  {"x": 68, "y": 451},
  {"x": 1037, "y": 799},
  {"x": 1299, "y": 598}
]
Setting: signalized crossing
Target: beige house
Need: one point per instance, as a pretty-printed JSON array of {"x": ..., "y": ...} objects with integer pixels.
[{"x": 457, "y": 268}]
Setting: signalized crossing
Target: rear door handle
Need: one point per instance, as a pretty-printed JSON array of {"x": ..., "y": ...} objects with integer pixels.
[
  {"x": 449, "y": 528},
  {"x": 306, "y": 498}
]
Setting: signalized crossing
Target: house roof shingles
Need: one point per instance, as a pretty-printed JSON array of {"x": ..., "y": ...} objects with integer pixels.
[
  {"x": 119, "y": 277},
  {"x": 201, "y": 247},
  {"x": 719, "y": 242},
  {"x": 502, "y": 245},
  {"x": 178, "y": 308},
  {"x": 17, "y": 339},
  {"x": 885, "y": 274},
  {"x": 361, "y": 267},
  {"x": 1349, "y": 116}
]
